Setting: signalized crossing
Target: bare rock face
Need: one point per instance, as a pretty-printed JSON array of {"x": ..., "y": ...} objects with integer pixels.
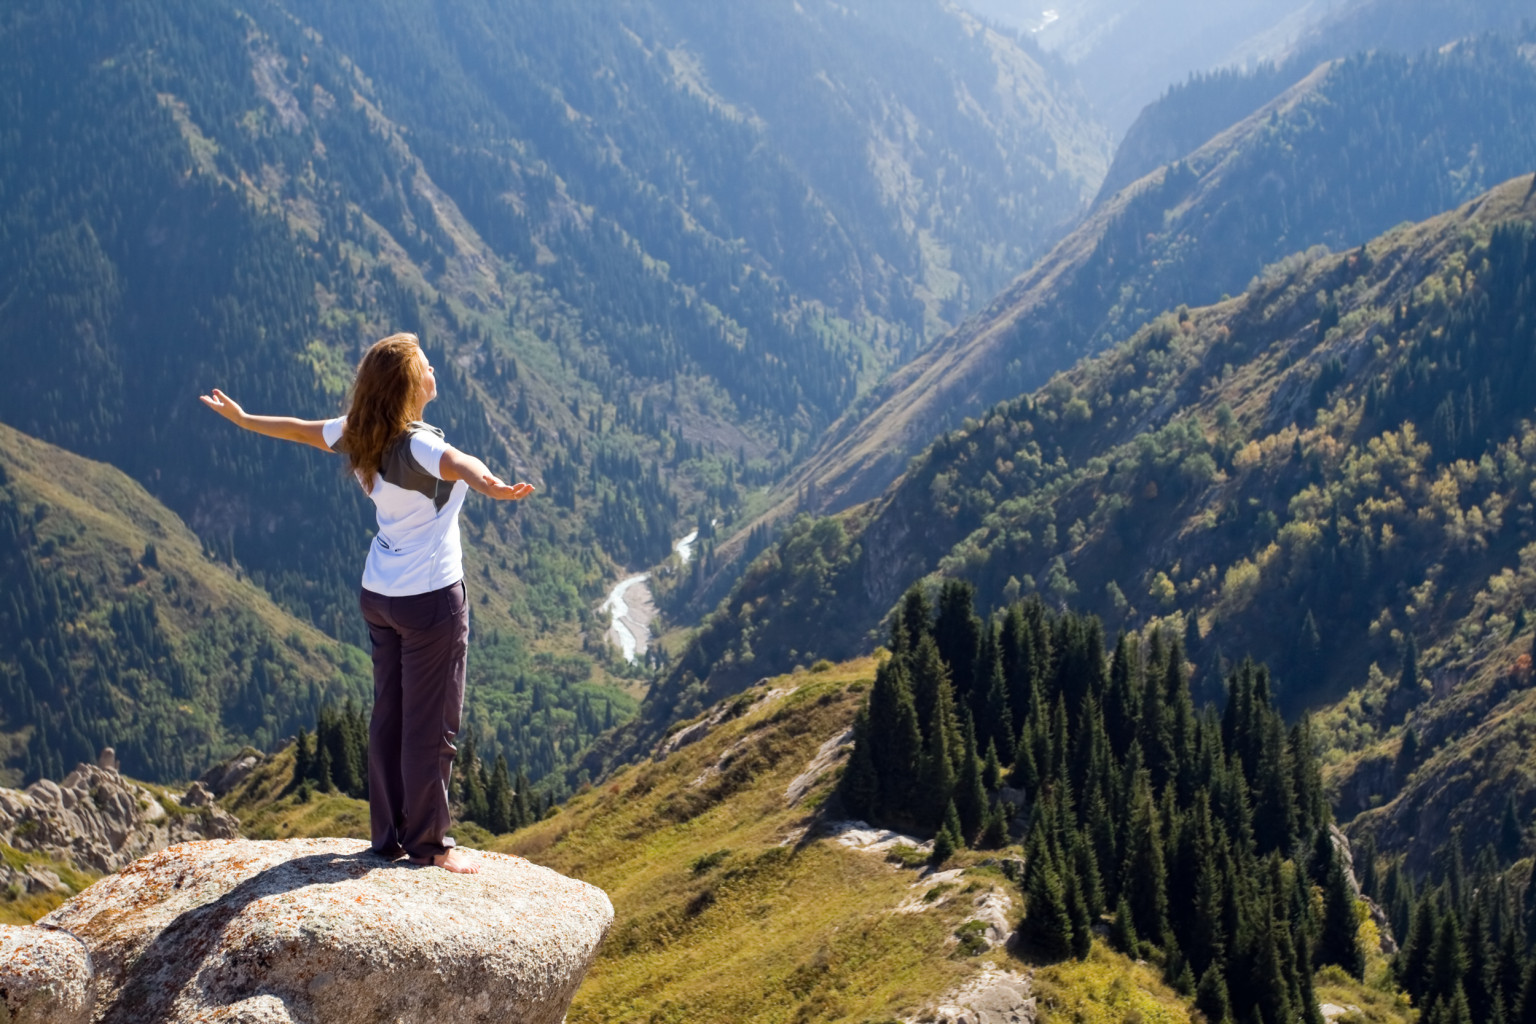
[
  {"x": 100, "y": 821},
  {"x": 992, "y": 997},
  {"x": 320, "y": 931},
  {"x": 45, "y": 977}
]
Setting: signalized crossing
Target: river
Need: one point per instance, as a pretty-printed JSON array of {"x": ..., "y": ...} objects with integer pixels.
[{"x": 631, "y": 615}]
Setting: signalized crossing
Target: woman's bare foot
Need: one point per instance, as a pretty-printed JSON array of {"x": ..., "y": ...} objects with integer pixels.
[{"x": 456, "y": 860}]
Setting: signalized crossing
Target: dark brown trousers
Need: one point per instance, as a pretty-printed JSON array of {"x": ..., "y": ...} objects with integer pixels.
[{"x": 419, "y": 647}]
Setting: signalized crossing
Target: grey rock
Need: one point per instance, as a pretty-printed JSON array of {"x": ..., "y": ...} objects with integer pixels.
[
  {"x": 222, "y": 778},
  {"x": 320, "y": 931},
  {"x": 40, "y": 879},
  {"x": 99, "y": 821},
  {"x": 45, "y": 977},
  {"x": 992, "y": 997},
  {"x": 197, "y": 795}
]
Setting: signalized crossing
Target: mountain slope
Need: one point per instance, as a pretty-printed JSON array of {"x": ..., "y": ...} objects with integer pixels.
[
  {"x": 643, "y": 290},
  {"x": 1354, "y": 148},
  {"x": 117, "y": 631},
  {"x": 1325, "y": 472}
]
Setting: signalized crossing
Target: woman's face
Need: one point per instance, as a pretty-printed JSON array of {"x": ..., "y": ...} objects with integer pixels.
[{"x": 428, "y": 379}]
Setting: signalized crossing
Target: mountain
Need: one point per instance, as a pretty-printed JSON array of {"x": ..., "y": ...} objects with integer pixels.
[
  {"x": 648, "y": 274},
  {"x": 1327, "y": 472},
  {"x": 118, "y": 631},
  {"x": 740, "y": 894},
  {"x": 1354, "y": 148},
  {"x": 1128, "y": 52}
]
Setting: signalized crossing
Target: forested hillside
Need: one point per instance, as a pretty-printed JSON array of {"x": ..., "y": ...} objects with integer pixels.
[
  {"x": 1358, "y": 146},
  {"x": 115, "y": 630},
  {"x": 1328, "y": 472},
  {"x": 648, "y": 284}
]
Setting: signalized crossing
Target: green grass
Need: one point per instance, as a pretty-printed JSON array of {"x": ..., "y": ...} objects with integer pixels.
[
  {"x": 22, "y": 908},
  {"x": 720, "y": 913},
  {"x": 1106, "y": 988}
]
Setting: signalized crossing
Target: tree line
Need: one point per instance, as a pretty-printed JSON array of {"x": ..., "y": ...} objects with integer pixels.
[{"x": 1204, "y": 836}]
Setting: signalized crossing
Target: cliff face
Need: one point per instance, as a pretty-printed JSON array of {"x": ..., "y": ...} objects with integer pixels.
[{"x": 305, "y": 931}]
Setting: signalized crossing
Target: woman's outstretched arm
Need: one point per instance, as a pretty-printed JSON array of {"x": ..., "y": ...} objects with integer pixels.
[
  {"x": 285, "y": 428},
  {"x": 456, "y": 465}
]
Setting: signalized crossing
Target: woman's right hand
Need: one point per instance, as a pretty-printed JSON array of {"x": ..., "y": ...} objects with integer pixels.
[
  {"x": 496, "y": 488},
  {"x": 225, "y": 406}
]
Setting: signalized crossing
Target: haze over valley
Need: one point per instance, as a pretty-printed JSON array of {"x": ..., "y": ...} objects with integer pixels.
[{"x": 1090, "y": 449}]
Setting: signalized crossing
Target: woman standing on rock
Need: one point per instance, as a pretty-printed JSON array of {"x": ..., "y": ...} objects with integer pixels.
[{"x": 413, "y": 595}]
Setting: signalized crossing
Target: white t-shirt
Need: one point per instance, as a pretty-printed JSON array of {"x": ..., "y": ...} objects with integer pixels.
[{"x": 417, "y": 548}]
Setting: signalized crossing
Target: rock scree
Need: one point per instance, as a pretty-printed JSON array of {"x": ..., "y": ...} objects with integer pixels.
[{"x": 321, "y": 931}]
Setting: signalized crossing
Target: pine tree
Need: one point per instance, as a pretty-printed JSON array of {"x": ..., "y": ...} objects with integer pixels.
[
  {"x": 970, "y": 794},
  {"x": 1143, "y": 877},
  {"x": 860, "y": 785},
  {"x": 471, "y": 786},
  {"x": 1339, "y": 941},
  {"x": 1448, "y": 962},
  {"x": 1414, "y": 958},
  {"x": 1211, "y": 996},
  {"x": 895, "y": 742},
  {"x": 992, "y": 770},
  {"x": 994, "y": 834},
  {"x": 324, "y": 779},
  {"x": 1122, "y": 933},
  {"x": 498, "y": 799},
  {"x": 303, "y": 757},
  {"x": 1047, "y": 917}
]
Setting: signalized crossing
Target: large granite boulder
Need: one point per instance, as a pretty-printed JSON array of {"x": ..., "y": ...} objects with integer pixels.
[
  {"x": 45, "y": 977},
  {"x": 97, "y": 820},
  {"x": 320, "y": 931}
]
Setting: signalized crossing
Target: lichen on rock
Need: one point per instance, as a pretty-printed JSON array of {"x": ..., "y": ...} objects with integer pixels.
[{"x": 320, "y": 930}]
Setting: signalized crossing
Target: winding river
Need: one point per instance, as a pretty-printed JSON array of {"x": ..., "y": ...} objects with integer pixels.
[{"x": 631, "y": 621}]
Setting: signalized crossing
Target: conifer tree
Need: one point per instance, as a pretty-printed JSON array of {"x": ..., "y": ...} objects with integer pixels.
[
  {"x": 303, "y": 757},
  {"x": 1143, "y": 877},
  {"x": 957, "y": 633},
  {"x": 970, "y": 794},
  {"x": 1122, "y": 932},
  {"x": 324, "y": 779},
  {"x": 1414, "y": 959},
  {"x": 916, "y": 619},
  {"x": 860, "y": 785},
  {"x": 939, "y": 777},
  {"x": 991, "y": 769},
  {"x": 994, "y": 834},
  {"x": 527, "y": 806},
  {"x": 1122, "y": 699},
  {"x": 1211, "y": 996},
  {"x": 472, "y": 789},
  {"x": 1047, "y": 918},
  {"x": 1338, "y": 942},
  {"x": 1448, "y": 962},
  {"x": 498, "y": 798}
]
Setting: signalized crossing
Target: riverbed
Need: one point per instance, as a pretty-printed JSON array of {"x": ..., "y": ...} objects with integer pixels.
[{"x": 631, "y": 608}]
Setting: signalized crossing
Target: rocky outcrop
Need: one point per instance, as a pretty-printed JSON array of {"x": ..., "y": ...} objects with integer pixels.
[
  {"x": 99, "y": 821},
  {"x": 992, "y": 997},
  {"x": 321, "y": 931}
]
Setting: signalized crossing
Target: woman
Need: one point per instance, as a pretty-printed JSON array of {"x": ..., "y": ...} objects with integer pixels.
[{"x": 413, "y": 586}]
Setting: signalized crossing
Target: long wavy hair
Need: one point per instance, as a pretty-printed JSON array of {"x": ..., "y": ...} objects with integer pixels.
[{"x": 386, "y": 396}]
